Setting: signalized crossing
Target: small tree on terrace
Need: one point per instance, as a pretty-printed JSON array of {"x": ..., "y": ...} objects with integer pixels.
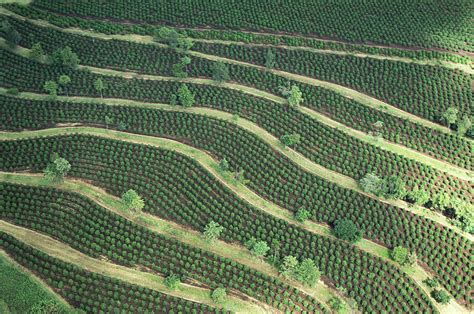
[
  {"x": 52, "y": 88},
  {"x": 440, "y": 296},
  {"x": 394, "y": 187},
  {"x": 36, "y": 51},
  {"x": 450, "y": 115},
  {"x": 99, "y": 86},
  {"x": 371, "y": 183},
  {"x": 258, "y": 248},
  {"x": 464, "y": 125},
  {"x": 186, "y": 98},
  {"x": 295, "y": 97},
  {"x": 133, "y": 201},
  {"x": 212, "y": 231},
  {"x": 172, "y": 281},
  {"x": 174, "y": 39},
  {"x": 218, "y": 295},
  {"x": 288, "y": 266},
  {"x": 302, "y": 215},
  {"x": 57, "y": 169},
  {"x": 224, "y": 165},
  {"x": 179, "y": 69},
  {"x": 64, "y": 81},
  {"x": 307, "y": 272},
  {"x": 399, "y": 254},
  {"x": 65, "y": 57},
  {"x": 346, "y": 230},
  {"x": 270, "y": 59},
  {"x": 290, "y": 139},
  {"x": 220, "y": 72}
]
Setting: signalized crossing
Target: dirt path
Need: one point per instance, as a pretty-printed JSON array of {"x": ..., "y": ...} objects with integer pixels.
[{"x": 67, "y": 254}]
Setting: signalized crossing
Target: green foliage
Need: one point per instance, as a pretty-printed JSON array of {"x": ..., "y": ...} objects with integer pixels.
[
  {"x": 21, "y": 294},
  {"x": 418, "y": 196},
  {"x": 440, "y": 296},
  {"x": 64, "y": 80},
  {"x": 133, "y": 201},
  {"x": 11, "y": 35},
  {"x": 172, "y": 281},
  {"x": 13, "y": 91},
  {"x": 257, "y": 248},
  {"x": 450, "y": 115},
  {"x": 224, "y": 165},
  {"x": 302, "y": 215},
  {"x": 346, "y": 230},
  {"x": 220, "y": 71},
  {"x": 464, "y": 125},
  {"x": 186, "y": 98},
  {"x": 399, "y": 254},
  {"x": 57, "y": 170},
  {"x": 52, "y": 88},
  {"x": 99, "y": 86},
  {"x": 290, "y": 139},
  {"x": 295, "y": 97},
  {"x": 307, "y": 272},
  {"x": 270, "y": 59},
  {"x": 108, "y": 121},
  {"x": 174, "y": 39},
  {"x": 65, "y": 57},
  {"x": 337, "y": 304},
  {"x": 288, "y": 266},
  {"x": 212, "y": 231},
  {"x": 47, "y": 307},
  {"x": 36, "y": 51},
  {"x": 179, "y": 69},
  {"x": 393, "y": 187},
  {"x": 371, "y": 183},
  {"x": 219, "y": 295},
  {"x": 431, "y": 282}
]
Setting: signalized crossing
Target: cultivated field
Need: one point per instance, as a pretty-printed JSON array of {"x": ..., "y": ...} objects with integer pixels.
[{"x": 257, "y": 156}]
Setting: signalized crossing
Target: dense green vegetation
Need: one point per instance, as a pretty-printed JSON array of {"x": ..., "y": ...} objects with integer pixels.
[
  {"x": 277, "y": 110},
  {"x": 20, "y": 292},
  {"x": 266, "y": 176},
  {"x": 332, "y": 148},
  {"x": 451, "y": 148},
  {"x": 442, "y": 24},
  {"x": 91, "y": 229},
  {"x": 93, "y": 292}
]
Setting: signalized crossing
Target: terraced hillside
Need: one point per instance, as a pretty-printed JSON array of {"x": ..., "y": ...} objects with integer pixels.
[{"x": 181, "y": 158}]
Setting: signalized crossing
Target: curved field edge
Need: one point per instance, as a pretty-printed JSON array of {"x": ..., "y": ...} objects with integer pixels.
[
  {"x": 21, "y": 289},
  {"x": 345, "y": 91},
  {"x": 422, "y": 33},
  {"x": 170, "y": 229},
  {"x": 65, "y": 253},
  {"x": 249, "y": 38},
  {"x": 416, "y": 273},
  {"x": 267, "y": 138},
  {"x": 405, "y": 152}
]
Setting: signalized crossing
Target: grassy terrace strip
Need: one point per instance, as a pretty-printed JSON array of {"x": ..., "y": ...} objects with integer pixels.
[
  {"x": 73, "y": 219},
  {"x": 242, "y": 221},
  {"x": 445, "y": 146},
  {"x": 297, "y": 158},
  {"x": 93, "y": 285},
  {"x": 116, "y": 27},
  {"x": 442, "y": 25},
  {"x": 21, "y": 291},
  {"x": 322, "y": 208},
  {"x": 237, "y": 253},
  {"x": 412, "y": 87},
  {"x": 335, "y": 155},
  {"x": 222, "y": 248}
]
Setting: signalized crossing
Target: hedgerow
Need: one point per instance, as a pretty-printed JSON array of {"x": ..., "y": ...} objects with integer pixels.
[
  {"x": 93, "y": 292},
  {"x": 91, "y": 229},
  {"x": 125, "y": 166},
  {"x": 442, "y": 24}
]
